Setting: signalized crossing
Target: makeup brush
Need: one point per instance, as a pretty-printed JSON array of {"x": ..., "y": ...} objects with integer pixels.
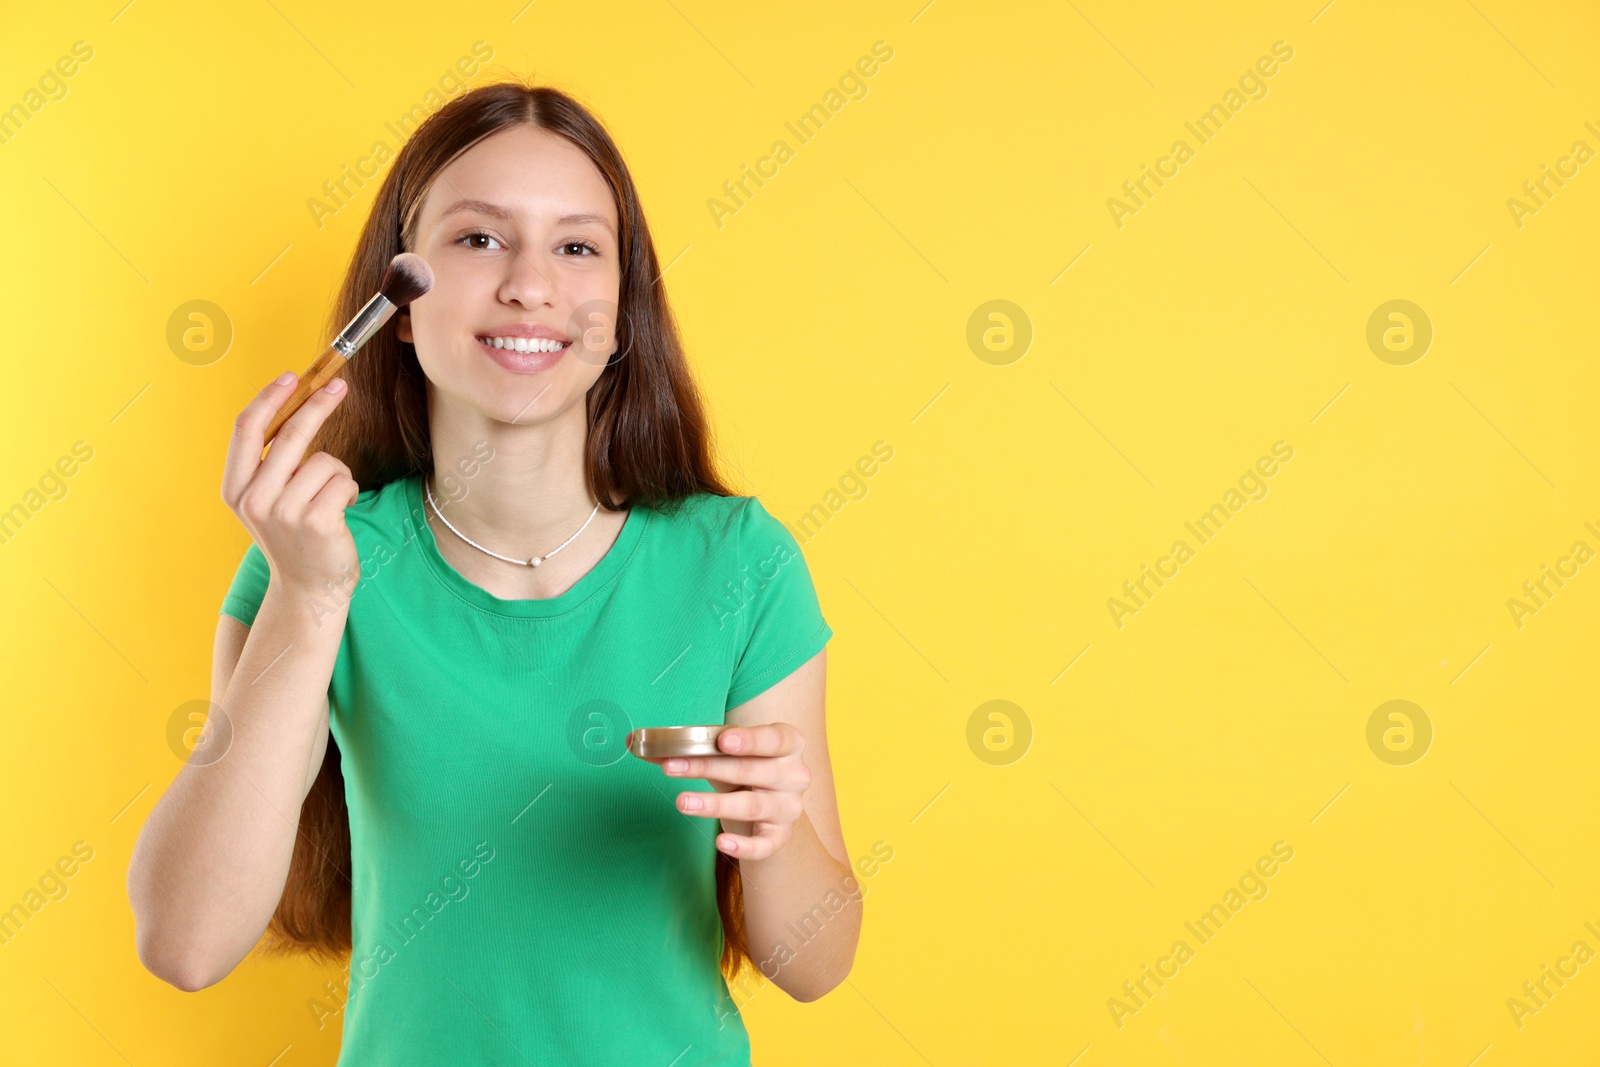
[{"x": 408, "y": 277}]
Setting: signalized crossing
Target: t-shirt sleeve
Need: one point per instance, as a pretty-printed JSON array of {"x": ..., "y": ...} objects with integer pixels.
[
  {"x": 780, "y": 622},
  {"x": 249, "y": 587}
]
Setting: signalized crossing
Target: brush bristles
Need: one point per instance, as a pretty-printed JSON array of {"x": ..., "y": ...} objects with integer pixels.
[{"x": 409, "y": 277}]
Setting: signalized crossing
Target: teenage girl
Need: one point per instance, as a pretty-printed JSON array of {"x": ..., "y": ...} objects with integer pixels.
[{"x": 508, "y": 549}]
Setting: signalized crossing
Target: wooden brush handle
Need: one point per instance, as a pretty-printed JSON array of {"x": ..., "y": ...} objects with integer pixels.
[{"x": 322, "y": 371}]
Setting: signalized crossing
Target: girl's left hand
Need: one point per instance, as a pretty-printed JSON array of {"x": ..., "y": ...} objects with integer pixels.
[{"x": 759, "y": 787}]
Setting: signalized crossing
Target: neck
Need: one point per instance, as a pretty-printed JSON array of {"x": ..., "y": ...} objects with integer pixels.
[{"x": 528, "y": 496}]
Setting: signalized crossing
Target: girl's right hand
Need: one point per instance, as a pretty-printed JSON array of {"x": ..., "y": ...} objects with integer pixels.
[{"x": 293, "y": 510}]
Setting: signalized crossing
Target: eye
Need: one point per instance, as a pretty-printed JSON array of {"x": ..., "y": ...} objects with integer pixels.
[
  {"x": 580, "y": 244},
  {"x": 476, "y": 233}
]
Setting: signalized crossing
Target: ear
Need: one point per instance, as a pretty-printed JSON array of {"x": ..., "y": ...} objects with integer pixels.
[{"x": 402, "y": 326}]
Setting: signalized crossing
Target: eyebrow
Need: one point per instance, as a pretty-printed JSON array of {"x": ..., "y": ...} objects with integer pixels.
[{"x": 484, "y": 207}]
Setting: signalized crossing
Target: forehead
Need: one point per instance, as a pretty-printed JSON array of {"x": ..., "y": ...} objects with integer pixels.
[{"x": 529, "y": 174}]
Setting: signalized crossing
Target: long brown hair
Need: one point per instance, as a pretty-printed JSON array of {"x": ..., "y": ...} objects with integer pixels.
[{"x": 648, "y": 443}]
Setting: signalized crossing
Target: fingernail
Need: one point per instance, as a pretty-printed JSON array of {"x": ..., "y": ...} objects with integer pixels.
[
  {"x": 735, "y": 742},
  {"x": 336, "y": 387},
  {"x": 677, "y": 766},
  {"x": 691, "y": 803},
  {"x": 285, "y": 378}
]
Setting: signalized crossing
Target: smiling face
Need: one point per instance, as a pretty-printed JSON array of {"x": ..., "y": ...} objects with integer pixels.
[{"x": 521, "y": 233}]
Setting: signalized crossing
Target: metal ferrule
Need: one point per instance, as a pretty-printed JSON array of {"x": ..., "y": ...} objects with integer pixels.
[{"x": 368, "y": 321}]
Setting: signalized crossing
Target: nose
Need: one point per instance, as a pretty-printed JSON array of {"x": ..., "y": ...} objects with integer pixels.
[{"x": 527, "y": 282}]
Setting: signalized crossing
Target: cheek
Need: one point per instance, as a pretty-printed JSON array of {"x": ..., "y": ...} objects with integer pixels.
[
  {"x": 446, "y": 310},
  {"x": 442, "y": 336}
]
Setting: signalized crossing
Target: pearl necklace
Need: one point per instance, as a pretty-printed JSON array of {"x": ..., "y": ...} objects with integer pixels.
[{"x": 534, "y": 562}]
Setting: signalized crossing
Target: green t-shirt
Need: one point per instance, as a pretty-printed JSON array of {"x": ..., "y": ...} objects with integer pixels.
[{"x": 523, "y": 890}]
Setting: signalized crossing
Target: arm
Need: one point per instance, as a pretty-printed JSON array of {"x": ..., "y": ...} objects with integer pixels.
[
  {"x": 211, "y": 861},
  {"x": 792, "y": 857}
]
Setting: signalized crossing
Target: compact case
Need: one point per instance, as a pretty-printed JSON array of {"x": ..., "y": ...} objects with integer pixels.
[{"x": 655, "y": 742}]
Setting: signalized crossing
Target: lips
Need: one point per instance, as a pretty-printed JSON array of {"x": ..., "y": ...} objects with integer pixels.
[
  {"x": 525, "y": 329},
  {"x": 522, "y": 362}
]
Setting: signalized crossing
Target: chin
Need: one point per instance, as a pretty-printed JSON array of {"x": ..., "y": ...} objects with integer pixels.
[{"x": 533, "y": 401}]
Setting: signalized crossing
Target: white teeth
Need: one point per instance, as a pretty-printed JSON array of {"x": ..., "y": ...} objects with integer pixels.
[{"x": 524, "y": 344}]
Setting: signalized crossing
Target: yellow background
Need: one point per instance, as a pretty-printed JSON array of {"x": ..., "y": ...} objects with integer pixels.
[{"x": 831, "y": 312}]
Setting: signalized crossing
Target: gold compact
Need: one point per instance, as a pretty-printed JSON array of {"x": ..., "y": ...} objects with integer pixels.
[{"x": 655, "y": 742}]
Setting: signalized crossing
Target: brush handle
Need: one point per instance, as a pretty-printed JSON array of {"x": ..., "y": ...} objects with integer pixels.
[{"x": 330, "y": 363}]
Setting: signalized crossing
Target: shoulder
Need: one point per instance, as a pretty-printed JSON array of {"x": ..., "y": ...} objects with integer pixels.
[
  {"x": 725, "y": 520},
  {"x": 379, "y": 511},
  {"x": 369, "y": 500}
]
